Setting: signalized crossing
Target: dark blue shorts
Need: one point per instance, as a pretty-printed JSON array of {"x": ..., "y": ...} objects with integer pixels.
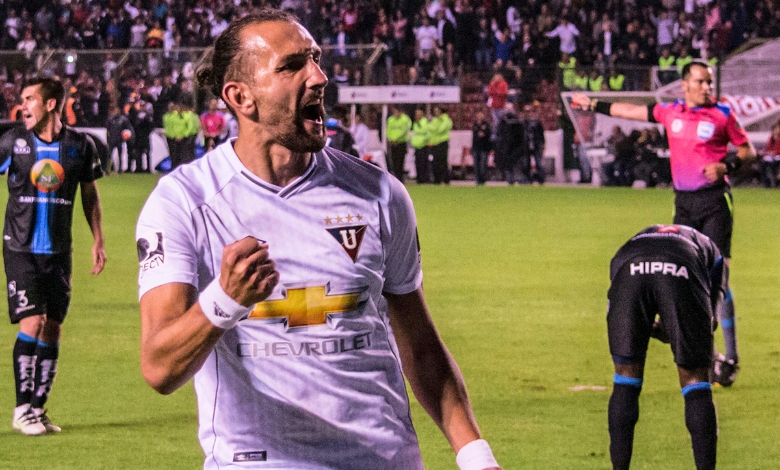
[
  {"x": 37, "y": 285},
  {"x": 682, "y": 303}
]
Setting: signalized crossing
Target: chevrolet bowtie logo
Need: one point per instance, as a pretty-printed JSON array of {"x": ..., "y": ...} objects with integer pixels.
[{"x": 307, "y": 306}]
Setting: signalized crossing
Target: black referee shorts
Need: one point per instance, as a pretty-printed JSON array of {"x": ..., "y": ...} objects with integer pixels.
[
  {"x": 710, "y": 211},
  {"x": 37, "y": 284},
  {"x": 682, "y": 303}
]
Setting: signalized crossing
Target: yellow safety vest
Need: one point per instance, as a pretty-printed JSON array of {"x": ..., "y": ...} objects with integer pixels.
[
  {"x": 682, "y": 62},
  {"x": 595, "y": 83},
  {"x": 666, "y": 63},
  {"x": 420, "y": 133},
  {"x": 398, "y": 129},
  {"x": 616, "y": 83},
  {"x": 439, "y": 129},
  {"x": 567, "y": 69}
]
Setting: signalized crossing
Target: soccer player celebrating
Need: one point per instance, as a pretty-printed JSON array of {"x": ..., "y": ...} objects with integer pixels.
[
  {"x": 699, "y": 132},
  {"x": 285, "y": 278},
  {"x": 679, "y": 274},
  {"x": 48, "y": 163}
]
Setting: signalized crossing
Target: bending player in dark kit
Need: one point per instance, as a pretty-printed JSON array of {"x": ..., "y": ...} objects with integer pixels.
[
  {"x": 679, "y": 274},
  {"x": 699, "y": 131},
  {"x": 49, "y": 162}
]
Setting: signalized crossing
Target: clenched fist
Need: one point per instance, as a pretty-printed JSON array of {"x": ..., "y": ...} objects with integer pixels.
[
  {"x": 248, "y": 274},
  {"x": 715, "y": 171}
]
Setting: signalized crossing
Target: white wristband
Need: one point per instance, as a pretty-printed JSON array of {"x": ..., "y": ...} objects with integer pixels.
[
  {"x": 476, "y": 455},
  {"x": 220, "y": 308}
]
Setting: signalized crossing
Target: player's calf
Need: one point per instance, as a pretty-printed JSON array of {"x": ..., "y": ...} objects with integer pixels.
[
  {"x": 24, "y": 368},
  {"x": 46, "y": 356},
  {"x": 701, "y": 421},
  {"x": 623, "y": 415}
]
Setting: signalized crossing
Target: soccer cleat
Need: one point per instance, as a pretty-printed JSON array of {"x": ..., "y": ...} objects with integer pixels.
[
  {"x": 50, "y": 427},
  {"x": 27, "y": 422},
  {"x": 728, "y": 372},
  {"x": 723, "y": 371}
]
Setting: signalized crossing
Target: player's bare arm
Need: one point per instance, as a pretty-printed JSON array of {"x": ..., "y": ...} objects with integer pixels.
[
  {"x": 177, "y": 335},
  {"x": 430, "y": 369},
  {"x": 618, "y": 109},
  {"x": 90, "y": 201}
]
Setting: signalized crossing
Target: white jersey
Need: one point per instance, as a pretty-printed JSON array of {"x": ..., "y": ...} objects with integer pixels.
[{"x": 312, "y": 378}]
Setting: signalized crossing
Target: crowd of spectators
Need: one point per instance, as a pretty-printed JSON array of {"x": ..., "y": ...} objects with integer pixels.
[
  {"x": 640, "y": 159},
  {"x": 579, "y": 43}
]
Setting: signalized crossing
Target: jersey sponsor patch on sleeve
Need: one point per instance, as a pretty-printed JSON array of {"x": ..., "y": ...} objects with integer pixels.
[
  {"x": 151, "y": 251},
  {"x": 21, "y": 147},
  {"x": 255, "y": 456}
]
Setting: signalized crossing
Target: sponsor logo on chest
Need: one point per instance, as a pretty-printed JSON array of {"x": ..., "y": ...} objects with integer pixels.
[
  {"x": 47, "y": 175},
  {"x": 304, "y": 306}
]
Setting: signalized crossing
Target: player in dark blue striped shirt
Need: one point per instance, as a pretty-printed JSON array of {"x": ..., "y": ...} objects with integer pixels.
[{"x": 47, "y": 164}]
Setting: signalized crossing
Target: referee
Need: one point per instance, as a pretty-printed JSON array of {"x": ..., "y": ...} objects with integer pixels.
[
  {"x": 699, "y": 131},
  {"x": 677, "y": 273},
  {"x": 49, "y": 162}
]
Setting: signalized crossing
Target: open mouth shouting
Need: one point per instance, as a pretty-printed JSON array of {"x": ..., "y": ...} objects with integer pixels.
[
  {"x": 29, "y": 120},
  {"x": 313, "y": 115}
]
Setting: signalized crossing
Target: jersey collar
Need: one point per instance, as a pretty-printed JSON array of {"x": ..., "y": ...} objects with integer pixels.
[{"x": 280, "y": 191}]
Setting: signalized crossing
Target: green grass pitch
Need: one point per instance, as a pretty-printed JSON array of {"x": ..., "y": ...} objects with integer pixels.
[{"x": 516, "y": 279}]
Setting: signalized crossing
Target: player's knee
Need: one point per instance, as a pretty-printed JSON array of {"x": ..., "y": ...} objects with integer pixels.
[
  {"x": 696, "y": 389},
  {"x": 51, "y": 331},
  {"x": 635, "y": 382},
  {"x": 693, "y": 376},
  {"x": 32, "y": 326},
  {"x": 629, "y": 367}
]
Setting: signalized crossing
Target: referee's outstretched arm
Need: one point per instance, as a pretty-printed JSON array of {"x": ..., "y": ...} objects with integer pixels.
[{"x": 637, "y": 112}]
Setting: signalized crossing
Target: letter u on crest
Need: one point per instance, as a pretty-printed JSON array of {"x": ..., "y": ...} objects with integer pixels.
[{"x": 349, "y": 238}]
